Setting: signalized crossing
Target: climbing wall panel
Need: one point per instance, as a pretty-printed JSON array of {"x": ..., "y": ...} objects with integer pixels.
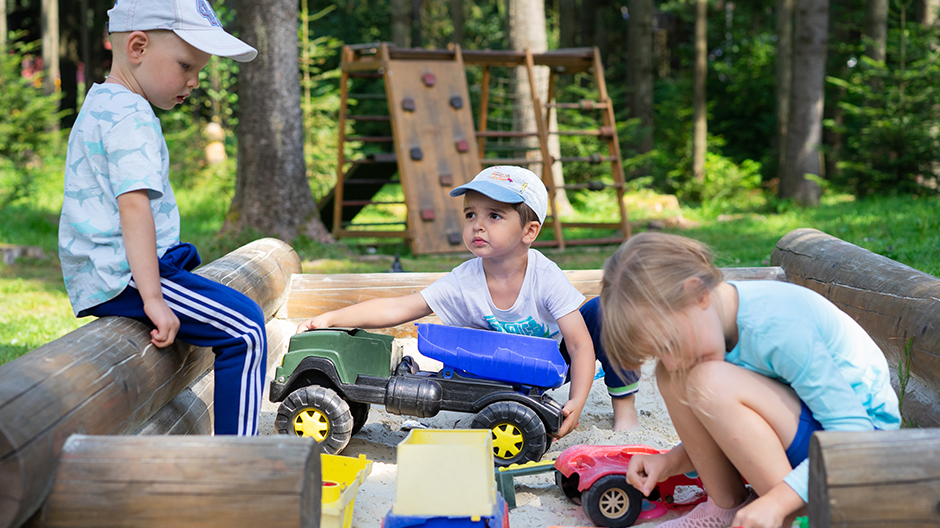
[{"x": 435, "y": 143}]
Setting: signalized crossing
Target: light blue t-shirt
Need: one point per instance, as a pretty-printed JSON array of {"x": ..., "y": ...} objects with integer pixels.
[
  {"x": 116, "y": 145},
  {"x": 794, "y": 335}
]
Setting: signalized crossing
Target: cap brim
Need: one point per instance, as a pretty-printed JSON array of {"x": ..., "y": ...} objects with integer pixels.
[
  {"x": 217, "y": 42},
  {"x": 492, "y": 190}
]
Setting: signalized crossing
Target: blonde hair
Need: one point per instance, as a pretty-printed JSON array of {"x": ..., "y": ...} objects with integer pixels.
[{"x": 645, "y": 283}]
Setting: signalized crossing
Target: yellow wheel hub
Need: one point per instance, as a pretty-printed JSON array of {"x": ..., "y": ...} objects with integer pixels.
[
  {"x": 614, "y": 503},
  {"x": 312, "y": 423},
  {"x": 507, "y": 440}
]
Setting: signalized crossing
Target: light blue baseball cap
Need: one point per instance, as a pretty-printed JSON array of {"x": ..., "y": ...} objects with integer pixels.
[{"x": 509, "y": 184}]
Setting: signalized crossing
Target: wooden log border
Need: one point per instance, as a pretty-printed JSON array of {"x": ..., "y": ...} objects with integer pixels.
[
  {"x": 192, "y": 481},
  {"x": 875, "y": 478},
  {"x": 893, "y": 302},
  {"x": 105, "y": 378}
]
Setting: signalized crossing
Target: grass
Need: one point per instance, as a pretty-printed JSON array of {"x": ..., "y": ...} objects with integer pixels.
[{"x": 34, "y": 308}]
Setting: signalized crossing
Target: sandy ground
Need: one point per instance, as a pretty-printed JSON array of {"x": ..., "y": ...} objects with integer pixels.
[{"x": 540, "y": 503}]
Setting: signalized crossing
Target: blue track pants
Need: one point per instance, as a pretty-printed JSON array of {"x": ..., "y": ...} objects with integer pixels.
[{"x": 216, "y": 316}]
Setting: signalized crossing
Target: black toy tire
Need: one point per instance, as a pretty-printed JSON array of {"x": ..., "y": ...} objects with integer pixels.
[
  {"x": 360, "y": 415},
  {"x": 319, "y": 413},
  {"x": 569, "y": 486},
  {"x": 518, "y": 433},
  {"x": 612, "y": 502}
]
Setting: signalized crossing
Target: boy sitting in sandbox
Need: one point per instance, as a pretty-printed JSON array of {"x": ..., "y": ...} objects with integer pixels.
[{"x": 509, "y": 287}]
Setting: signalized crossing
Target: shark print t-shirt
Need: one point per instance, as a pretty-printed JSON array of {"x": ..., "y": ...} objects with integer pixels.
[
  {"x": 461, "y": 298},
  {"x": 116, "y": 146}
]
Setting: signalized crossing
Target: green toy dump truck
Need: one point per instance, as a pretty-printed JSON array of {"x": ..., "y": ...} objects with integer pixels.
[{"x": 329, "y": 379}]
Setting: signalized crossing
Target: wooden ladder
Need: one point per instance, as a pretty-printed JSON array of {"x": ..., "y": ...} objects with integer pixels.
[{"x": 559, "y": 62}]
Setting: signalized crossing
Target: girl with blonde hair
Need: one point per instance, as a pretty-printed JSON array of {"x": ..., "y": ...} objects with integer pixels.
[{"x": 748, "y": 371}]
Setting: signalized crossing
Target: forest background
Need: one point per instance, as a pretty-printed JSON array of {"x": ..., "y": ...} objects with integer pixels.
[{"x": 758, "y": 117}]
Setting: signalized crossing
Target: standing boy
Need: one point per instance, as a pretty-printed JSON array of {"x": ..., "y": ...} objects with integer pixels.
[
  {"x": 120, "y": 226},
  {"x": 509, "y": 287}
]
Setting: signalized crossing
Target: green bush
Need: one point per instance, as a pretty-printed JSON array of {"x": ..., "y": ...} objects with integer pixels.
[
  {"x": 891, "y": 113},
  {"x": 27, "y": 120}
]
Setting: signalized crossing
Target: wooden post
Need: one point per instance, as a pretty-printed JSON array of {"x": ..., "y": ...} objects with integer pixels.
[
  {"x": 185, "y": 481},
  {"x": 894, "y": 303},
  {"x": 875, "y": 478},
  {"x": 106, "y": 378}
]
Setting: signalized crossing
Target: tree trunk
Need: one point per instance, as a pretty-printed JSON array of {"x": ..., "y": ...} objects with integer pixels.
[
  {"x": 3, "y": 24},
  {"x": 806, "y": 103},
  {"x": 50, "y": 45},
  {"x": 929, "y": 11},
  {"x": 699, "y": 103},
  {"x": 272, "y": 195},
  {"x": 527, "y": 30},
  {"x": 401, "y": 23},
  {"x": 876, "y": 29},
  {"x": 640, "y": 51},
  {"x": 588, "y": 23},
  {"x": 784, "y": 74},
  {"x": 417, "y": 26},
  {"x": 456, "y": 16},
  {"x": 568, "y": 23},
  {"x": 98, "y": 60},
  {"x": 70, "y": 49}
]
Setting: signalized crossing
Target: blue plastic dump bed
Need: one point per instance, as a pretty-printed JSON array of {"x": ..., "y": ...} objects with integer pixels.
[{"x": 511, "y": 358}]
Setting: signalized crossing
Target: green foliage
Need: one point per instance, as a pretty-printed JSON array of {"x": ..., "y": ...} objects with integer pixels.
[
  {"x": 320, "y": 101},
  {"x": 742, "y": 86},
  {"x": 891, "y": 112},
  {"x": 27, "y": 118},
  {"x": 729, "y": 184}
]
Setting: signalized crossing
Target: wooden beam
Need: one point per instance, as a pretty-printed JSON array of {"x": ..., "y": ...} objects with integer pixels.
[
  {"x": 876, "y": 478},
  {"x": 314, "y": 294},
  {"x": 893, "y": 302},
  {"x": 571, "y": 60},
  {"x": 185, "y": 481},
  {"x": 106, "y": 378}
]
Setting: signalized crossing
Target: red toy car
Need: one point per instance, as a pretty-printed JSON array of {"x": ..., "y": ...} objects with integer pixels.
[{"x": 595, "y": 476}]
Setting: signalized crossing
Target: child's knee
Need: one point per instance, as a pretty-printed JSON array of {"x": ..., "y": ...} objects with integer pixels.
[{"x": 707, "y": 384}]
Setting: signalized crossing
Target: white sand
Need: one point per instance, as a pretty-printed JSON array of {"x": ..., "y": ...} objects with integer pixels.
[{"x": 540, "y": 503}]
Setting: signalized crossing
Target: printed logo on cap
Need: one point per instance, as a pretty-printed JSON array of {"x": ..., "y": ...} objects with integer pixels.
[
  {"x": 204, "y": 9},
  {"x": 496, "y": 175}
]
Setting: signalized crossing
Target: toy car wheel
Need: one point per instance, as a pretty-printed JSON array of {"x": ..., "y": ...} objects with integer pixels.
[
  {"x": 360, "y": 414},
  {"x": 317, "y": 412},
  {"x": 612, "y": 502},
  {"x": 518, "y": 433},
  {"x": 569, "y": 486}
]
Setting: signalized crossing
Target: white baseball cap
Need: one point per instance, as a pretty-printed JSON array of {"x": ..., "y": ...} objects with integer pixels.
[
  {"x": 192, "y": 20},
  {"x": 509, "y": 184}
]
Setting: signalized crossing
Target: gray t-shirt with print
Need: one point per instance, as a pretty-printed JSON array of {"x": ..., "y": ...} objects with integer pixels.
[{"x": 461, "y": 298}]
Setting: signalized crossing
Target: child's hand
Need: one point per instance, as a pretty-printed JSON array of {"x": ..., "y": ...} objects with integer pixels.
[
  {"x": 319, "y": 321},
  {"x": 645, "y": 471},
  {"x": 572, "y": 414},
  {"x": 762, "y": 513},
  {"x": 166, "y": 322},
  {"x": 777, "y": 507}
]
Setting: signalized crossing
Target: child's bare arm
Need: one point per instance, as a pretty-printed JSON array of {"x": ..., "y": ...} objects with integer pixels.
[
  {"x": 140, "y": 242},
  {"x": 374, "y": 313},
  {"x": 581, "y": 351}
]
